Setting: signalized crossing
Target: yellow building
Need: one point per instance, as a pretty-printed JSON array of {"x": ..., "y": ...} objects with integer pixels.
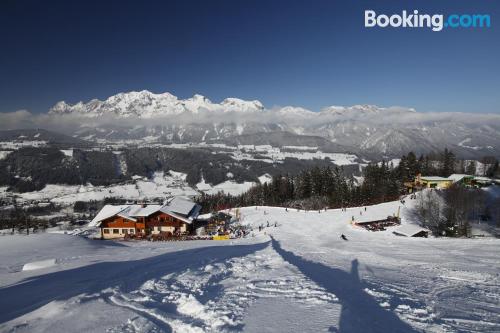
[
  {"x": 435, "y": 182},
  {"x": 422, "y": 182}
]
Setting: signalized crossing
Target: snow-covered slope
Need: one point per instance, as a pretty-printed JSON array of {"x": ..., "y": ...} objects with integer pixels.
[{"x": 303, "y": 279}]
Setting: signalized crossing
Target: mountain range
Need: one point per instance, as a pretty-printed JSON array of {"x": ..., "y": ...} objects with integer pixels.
[{"x": 363, "y": 129}]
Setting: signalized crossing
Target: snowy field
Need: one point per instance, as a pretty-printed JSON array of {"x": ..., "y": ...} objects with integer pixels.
[
  {"x": 302, "y": 279},
  {"x": 160, "y": 185}
]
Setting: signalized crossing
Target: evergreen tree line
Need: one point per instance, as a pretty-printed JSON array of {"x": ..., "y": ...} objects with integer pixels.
[
  {"x": 316, "y": 188},
  {"x": 322, "y": 187},
  {"x": 444, "y": 164}
]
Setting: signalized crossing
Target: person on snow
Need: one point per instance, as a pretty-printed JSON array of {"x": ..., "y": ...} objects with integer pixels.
[{"x": 343, "y": 237}]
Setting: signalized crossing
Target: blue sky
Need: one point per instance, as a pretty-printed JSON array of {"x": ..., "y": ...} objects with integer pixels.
[{"x": 306, "y": 53}]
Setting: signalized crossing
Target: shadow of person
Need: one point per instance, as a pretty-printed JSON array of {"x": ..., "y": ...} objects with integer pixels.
[
  {"x": 360, "y": 312},
  {"x": 35, "y": 292}
]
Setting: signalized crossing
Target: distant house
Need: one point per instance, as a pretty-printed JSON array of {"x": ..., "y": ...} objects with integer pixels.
[
  {"x": 173, "y": 218},
  {"x": 420, "y": 182},
  {"x": 435, "y": 182}
]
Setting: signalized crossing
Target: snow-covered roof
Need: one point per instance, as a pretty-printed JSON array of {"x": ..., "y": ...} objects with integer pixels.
[
  {"x": 409, "y": 230},
  {"x": 143, "y": 211},
  {"x": 180, "y": 205},
  {"x": 483, "y": 179},
  {"x": 128, "y": 217},
  {"x": 205, "y": 216},
  {"x": 188, "y": 220},
  {"x": 434, "y": 178},
  {"x": 106, "y": 212},
  {"x": 456, "y": 177}
]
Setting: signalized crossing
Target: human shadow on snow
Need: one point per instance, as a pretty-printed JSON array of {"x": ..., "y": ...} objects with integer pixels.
[
  {"x": 360, "y": 312},
  {"x": 35, "y": 292}
]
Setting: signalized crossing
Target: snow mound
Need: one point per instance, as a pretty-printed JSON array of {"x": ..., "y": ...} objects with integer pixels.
[{"x": 31, "y": 266}]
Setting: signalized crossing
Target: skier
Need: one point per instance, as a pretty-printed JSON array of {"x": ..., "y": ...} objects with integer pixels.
[{"x": 343, "y": 237}]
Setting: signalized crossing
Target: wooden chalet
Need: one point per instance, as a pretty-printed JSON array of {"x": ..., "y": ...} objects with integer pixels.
[
  {"x": 174, "y": 218},
  {"x": 379, "y": 225}
]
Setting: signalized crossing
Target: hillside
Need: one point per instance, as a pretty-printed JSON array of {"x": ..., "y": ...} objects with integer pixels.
[{"x": 303, "y": 278}]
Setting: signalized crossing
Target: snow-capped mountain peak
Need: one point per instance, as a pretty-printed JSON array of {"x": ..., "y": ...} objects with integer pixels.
[
  {"x": 296, "y": 111},
  {"x": 145, "y": 104},
  {"x": 239, "y": 105},
  {"x": 362, "y": 109}
]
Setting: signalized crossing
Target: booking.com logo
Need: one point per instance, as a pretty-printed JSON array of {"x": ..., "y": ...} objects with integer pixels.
[{"x": 436, "y": 22}]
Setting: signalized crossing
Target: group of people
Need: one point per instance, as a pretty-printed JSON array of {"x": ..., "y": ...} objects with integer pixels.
[{"x": 268, "y": 225}]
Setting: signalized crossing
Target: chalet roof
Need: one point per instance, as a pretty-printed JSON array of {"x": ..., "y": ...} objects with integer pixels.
[
  {"x": 188, "y": 220},
  {"x": 434, "y": 178},
  {"x": 456, "y": 177},
  {"x": 142, "y": 211},
  {"x": 106, "y": 212},
  {"x": 180, "y": 205},
  {"x": 183, "y": 209},
  {"x": 128, "y": 217},
  {"x": 409, "y": 230}
]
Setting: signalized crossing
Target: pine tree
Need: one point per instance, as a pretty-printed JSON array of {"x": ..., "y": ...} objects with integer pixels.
[{"x": 471, "y": 168}]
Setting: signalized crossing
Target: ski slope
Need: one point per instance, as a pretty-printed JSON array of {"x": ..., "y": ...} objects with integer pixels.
[{"x": 296, "y": 277}]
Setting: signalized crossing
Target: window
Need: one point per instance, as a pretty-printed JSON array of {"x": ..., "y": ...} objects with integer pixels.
[
  {"x": 132, "y": 231},
  {"x": 125, "y": 231},
  {"x": 116, "y": 231},
  {"x": 106, "y": 231}
]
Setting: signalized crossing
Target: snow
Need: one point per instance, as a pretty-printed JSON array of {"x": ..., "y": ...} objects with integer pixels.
[
  {"x": 67, "y": 152},
  {"x": 265, "y": 178},
  {"x": 145, "y": 104},
  {"x": 4, "y": 153},
  {"x": 229, "y": 187},
  {"x": 434, "y": 178},
  {"x": 456, "y": 177},
  {"x": 409, "y": 230},
  {"x": 160, "y": 185},
  {"x": 106, "y": 212},
  {"x": 14, "y": 145},
  {"x": 302, "y": 279},
  {"x": 31, "y": 266},
  {"x": 276, "y": 154}
]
